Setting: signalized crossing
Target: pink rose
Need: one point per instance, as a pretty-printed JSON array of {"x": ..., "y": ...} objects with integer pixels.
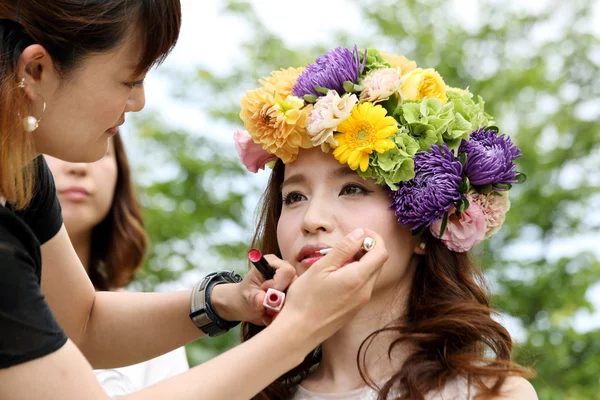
[
  {"x": 252, "y": 155},
  {"x": 463, "y": 231}
]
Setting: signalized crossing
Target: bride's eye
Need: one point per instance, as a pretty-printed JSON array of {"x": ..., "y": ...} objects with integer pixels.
[
  {"x": 353, "y": 189},
  {"x": 293, "y": 197}
]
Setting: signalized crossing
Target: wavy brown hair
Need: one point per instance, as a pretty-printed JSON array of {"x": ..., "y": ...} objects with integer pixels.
[
  {"x": 448, "y": 322},
  {"x": 119, "y": 242},
  {"x": 70, "y": 31}
]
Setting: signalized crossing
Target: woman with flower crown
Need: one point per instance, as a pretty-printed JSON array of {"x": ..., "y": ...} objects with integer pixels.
[{"x": 365, "y": 138}]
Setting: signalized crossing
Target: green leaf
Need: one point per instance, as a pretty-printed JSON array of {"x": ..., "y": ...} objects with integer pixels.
[
  {"x": 505, "y": 186},
  {"x": 444, "y": 224},
  {"x": 348, "y": 86},
  {"x": 521, "y": 177},
  {"x": 464, "y": 185},
  {"x": 310, "y": 98},
  {"x": 483, "y": 189},
  {"x": 390, "y": 105},
  {"x": 462, "y": 205}
]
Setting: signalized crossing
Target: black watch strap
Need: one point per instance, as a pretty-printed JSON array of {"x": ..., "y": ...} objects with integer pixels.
[{"x": 202, "y": 312}]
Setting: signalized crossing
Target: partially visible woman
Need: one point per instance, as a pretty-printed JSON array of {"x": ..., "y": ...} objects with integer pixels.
[{"x": 103, "y": 218}]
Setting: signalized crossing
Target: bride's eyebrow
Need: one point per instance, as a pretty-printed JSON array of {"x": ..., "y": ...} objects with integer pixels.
[
  {"x": 300, "y": 178},
  {"x": 295, "y": 178},
  {"x": 341, "y": 172}
]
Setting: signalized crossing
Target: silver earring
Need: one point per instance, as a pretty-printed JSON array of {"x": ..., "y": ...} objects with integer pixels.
[
  {"x": 422, "y": 246},
  {"x": 31, "y": 123}
]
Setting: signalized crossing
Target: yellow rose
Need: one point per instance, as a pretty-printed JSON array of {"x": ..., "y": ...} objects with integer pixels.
[
  {"x": 421, "y": 84},
  {"x": 397, "y": 61}
]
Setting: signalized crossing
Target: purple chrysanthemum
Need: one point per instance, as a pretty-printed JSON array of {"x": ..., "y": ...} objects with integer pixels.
[
  {"x": 490, "y": 158},
  {"x": 330, "y": 71},
  {"x": 434, "y": 190}
]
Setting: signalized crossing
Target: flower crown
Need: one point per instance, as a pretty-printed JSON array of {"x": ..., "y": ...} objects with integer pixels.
[{"x": 446, "y": 166}]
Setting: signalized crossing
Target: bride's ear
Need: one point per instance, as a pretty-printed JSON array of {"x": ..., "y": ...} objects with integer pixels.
[{"x": 420, "y": 249}]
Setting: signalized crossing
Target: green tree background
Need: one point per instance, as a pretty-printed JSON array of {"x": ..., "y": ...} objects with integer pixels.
[{"x": 538, "y": 71}]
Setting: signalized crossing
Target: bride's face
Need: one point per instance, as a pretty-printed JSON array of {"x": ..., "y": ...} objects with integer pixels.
[{"x": 324, "y": 200}]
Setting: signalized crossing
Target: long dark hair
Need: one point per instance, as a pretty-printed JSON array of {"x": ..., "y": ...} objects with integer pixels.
[
  {"x": 69, "y": 30},
  {"x": 119, "y": 242},
  {"x": 449, "y": 322}
]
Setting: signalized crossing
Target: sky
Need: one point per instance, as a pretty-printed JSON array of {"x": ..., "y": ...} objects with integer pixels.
[{"x": 211, "y": 39}]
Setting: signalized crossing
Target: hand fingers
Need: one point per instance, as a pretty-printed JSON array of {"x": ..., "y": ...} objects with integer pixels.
[
  {"x": 276, "y": 262},
  {"x": 285, "y": 274},
  {"x": 343, "y": 252},
  {"x": 369, "y": 266}
]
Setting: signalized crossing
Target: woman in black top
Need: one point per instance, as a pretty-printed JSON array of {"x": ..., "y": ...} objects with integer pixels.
[{"x": 69, "y": 72}]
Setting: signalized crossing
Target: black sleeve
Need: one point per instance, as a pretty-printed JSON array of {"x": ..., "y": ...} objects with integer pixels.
[
  {"x": 28, "y": 330},
  {"x": 43, "y": 215}
]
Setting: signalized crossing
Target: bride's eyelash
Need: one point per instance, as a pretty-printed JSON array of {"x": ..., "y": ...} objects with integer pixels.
[
  {"x": 363, "y": 191},
  {"x": 347, "y": 189},
  {"x": 291, "y": 197}
]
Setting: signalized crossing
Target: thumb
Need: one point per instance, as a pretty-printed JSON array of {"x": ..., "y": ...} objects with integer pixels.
[{"x": 343, "y": 252}]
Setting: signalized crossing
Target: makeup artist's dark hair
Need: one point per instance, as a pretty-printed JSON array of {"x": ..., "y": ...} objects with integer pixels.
[
  {"x": 119, "y": 241},
  {"x": 448, "y": 322},
  {"x": 69, "y": 30}
]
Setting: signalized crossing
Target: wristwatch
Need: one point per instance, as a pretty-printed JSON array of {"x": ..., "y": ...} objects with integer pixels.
[{"x": 202, "y": 311}]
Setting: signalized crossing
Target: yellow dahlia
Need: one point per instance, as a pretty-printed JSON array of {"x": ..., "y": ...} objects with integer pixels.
[
  {"x": 397, "y": 61},
  {"x": 281, "y": 81},
  {"x": 274, "y": 118},
  {"x": 367, "y": 129}
]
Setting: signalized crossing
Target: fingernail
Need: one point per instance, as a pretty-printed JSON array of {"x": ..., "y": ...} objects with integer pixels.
[{"x": 357, "y": 234}]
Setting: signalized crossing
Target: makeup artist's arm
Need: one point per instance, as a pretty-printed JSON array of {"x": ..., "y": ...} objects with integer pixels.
[
  {"x": 120, "y": 328},
  {"x": 318, "y": 303},
  {"x": 115, "y": 329}
]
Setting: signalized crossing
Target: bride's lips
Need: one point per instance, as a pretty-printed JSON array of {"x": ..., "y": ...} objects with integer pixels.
[{"x": 310, "y": 254}]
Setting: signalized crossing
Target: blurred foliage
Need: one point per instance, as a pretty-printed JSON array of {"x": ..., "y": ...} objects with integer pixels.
[{"x": 537, "y": 70}]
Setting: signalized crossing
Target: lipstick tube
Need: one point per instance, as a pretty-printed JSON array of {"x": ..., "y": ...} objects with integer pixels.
[
  {"x": 261, "y": 264},
  {"x": 273, "y": 301}
]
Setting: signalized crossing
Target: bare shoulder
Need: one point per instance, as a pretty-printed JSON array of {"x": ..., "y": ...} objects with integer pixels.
[{"x": 516, "y": 387}]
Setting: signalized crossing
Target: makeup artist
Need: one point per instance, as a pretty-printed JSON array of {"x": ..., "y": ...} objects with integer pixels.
[
  {"x": 103, "y": 218},
  {"x": 69, "y": 72}
]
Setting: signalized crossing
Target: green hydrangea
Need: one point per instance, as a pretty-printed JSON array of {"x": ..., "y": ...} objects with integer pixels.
[
  {"x": 395, "y": 165},
  {"x": 426, "y": 120},
  {"x": 469, "y": 116},
  {"x": 431, "y": 122},
  {"x": 374, "y": 60}
]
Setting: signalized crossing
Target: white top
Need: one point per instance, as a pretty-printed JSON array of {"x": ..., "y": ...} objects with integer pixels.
[
  {"x": 123, "y": 381},
  {"x": 454, "y": 390}
]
